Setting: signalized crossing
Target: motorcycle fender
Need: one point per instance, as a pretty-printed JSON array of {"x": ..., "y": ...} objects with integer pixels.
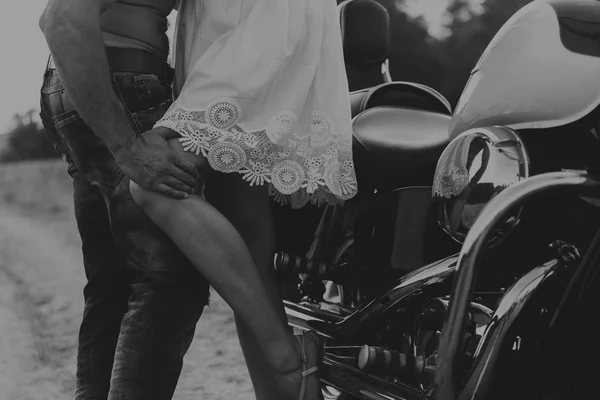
[{"x": 520, "y": 323}]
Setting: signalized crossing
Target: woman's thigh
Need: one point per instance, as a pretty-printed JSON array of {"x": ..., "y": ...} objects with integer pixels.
[{"x": 247, "y": 207}]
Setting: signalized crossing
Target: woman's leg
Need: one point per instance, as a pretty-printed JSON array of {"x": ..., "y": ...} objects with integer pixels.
[
  {"x": 215, "y": 247},
  {"x": 248, "y": 208}
]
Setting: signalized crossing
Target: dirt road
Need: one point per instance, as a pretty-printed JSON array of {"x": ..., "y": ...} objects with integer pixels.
[{"x": 41, "y": 281}]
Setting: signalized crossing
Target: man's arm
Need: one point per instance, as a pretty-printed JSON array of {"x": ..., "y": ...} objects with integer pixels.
[{"x": 72, "y": 31}]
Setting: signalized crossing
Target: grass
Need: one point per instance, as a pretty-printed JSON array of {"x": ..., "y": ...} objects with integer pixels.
[{"x": 40, "y": 186}]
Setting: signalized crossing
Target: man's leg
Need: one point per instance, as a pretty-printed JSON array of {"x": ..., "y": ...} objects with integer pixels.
[
  {"x": 167, "y": 301},
  {"x": 168, "y": 295},
  {"x": 108, "y": 284},
  {"x": 106, "y": 293}
]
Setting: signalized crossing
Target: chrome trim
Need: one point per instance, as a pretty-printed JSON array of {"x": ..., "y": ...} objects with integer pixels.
[
  {"x": 473, "y": 169},
  {"x": 412, "y": 284},
  {"x": 385, "y": 71},
  {"x": 470, "y": 255},
  {"x": 435, "y": 94},
  {"x": 308, "y": 318},
  {"x": 362, "y": 385}
]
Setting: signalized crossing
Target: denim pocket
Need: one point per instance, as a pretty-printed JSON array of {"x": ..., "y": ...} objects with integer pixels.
[
  {"x": 88, "y": 152},
  {"x": 51, "y": 132},
  {"x": 139, "y": 92},
  {"x": 51, "y": 104},
  {"x": 150, "y": 90}
]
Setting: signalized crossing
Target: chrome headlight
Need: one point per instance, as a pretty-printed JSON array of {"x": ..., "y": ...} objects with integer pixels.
[{"x": 476, "y": 166}]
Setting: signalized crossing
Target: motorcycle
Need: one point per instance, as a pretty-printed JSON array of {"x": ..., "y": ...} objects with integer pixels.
[
  {"x": 505, "y": 310},
  {"x": 400, "y": 130}
]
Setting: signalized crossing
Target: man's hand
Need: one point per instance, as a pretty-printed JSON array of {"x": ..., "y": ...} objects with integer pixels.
[{"x": 148, "y": 160}]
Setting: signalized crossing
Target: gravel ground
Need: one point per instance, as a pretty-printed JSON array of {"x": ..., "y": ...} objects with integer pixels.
[{"x": 41, "y": 282}]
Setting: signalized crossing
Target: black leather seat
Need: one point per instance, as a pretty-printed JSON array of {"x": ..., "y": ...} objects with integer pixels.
[
  {"x": 398, "y": 146},
  {"x": 400, "y": 128}
]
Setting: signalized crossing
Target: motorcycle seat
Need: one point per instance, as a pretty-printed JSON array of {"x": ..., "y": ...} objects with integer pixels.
[
  {"x": 398, "y": 145},
  {"x": 398, "y": 126}
]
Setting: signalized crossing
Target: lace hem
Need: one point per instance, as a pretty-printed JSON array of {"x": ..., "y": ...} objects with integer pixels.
[{"x": 316, "y": 168}]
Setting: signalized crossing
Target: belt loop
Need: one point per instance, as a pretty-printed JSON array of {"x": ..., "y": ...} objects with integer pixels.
[{"x": 49, "y": 62}]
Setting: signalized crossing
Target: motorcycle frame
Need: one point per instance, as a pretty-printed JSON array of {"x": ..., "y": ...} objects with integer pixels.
[
  {"x": 331, "y": 217},
  {"x": 468, "y": 264},
  {"x": 459, "y": 272}
]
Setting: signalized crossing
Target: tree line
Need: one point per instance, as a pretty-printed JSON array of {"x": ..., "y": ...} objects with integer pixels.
[{"x": 443, "y": 64}]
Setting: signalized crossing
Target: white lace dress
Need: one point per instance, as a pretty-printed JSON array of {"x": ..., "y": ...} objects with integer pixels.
[{"x": 261, "y": 90}]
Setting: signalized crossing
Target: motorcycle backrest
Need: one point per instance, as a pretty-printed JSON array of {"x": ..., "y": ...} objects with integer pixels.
[
  {"x": 406, "y": 94},
  {"x": 365, "y": 26}
]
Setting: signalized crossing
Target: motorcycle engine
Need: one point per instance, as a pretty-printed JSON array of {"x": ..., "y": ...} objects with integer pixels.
[
  {"x": 428, "y": 330},
  {"x": 407, "y": 352}
]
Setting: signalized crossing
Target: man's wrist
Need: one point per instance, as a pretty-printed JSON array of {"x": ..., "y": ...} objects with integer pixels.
[
  {"x": 117, "y": 145},
  {"x": 118, "y": 133}
]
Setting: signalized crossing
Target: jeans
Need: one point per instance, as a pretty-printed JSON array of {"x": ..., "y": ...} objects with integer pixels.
[{"x": 143, "y": 298}]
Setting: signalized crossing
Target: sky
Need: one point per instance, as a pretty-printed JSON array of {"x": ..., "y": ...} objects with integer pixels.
[{"x": 25, "y": 51}]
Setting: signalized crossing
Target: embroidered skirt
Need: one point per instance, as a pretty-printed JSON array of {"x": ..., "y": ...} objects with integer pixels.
[{"x": 261, "y": 90}]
